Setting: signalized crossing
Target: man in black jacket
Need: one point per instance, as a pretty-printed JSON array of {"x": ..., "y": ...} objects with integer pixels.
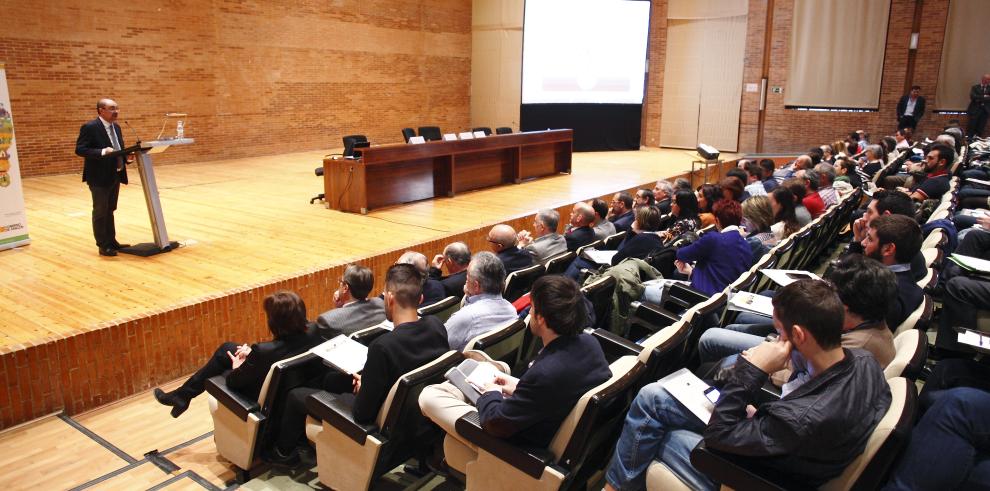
[
  {"x": 97, "y": 138},
  {"x": 809, "y": 436},
  {"x": 503, "y": 241},
  {"x": 910, "y": 109},
  {"x": 456, "y": 256},
  {"x": 979, "y": 106}
]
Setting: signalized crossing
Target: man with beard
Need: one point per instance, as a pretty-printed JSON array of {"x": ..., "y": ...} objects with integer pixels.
[{"x": 894, "y": 240}]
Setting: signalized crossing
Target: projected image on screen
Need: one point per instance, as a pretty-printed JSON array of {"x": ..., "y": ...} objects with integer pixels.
[{"x": 584, "y": 51}]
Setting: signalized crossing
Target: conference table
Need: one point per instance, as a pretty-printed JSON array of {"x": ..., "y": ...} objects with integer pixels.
[{"x": 393, "y": 174}]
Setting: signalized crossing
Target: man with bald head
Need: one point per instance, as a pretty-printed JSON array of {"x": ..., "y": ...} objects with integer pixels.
[
  {"x": 103, "y": 174},
  {"x": 979, "y": 106},
  {"x": 502, "y": 239},
  {"x": 455, "y": 257},
  {"x": 433, "y": 290},
  {"x": 581, "y": 233}
]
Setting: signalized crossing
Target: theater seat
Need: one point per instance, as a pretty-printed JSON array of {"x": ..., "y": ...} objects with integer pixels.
[
  {"x": 866, "y": 471},
  {"x": 430, "y": 133},
  {"x": 659, "y": 476},
  {"x": 919, "y": 318},
  {"x": 503, "y": 343},
  {"x": 612, "y": 242},
  {"x": 520, "y": 281},
  {"x": 600, "y": 293},
  {"x": 441, "y": 309},
  {"x": 240, "y": 425},
  {"x": 558, "y": 264},
  {"x": 408, "y": 133},
  {"x": 911, "y": 351},
  {"x": 351, "y": 456},
  {"x": 579, "y": 450}
]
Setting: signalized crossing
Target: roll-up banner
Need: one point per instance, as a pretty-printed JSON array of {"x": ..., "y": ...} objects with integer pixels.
[{"x": 13, "y": 219}]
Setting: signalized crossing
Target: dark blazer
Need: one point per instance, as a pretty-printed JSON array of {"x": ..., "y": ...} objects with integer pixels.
[
  {"x": 433, "y": 292},
  {"x": 514, "y": 258},
  {"x": 453, "y": 284},
  {"x": 637, "y": 246},
  {"x": 919, "y": 107},
  {"x": 249, "y": 377},
  {"x": 909, "y": 297},
  {"x": 406, "y": 348},
  {"x": 546, "y": 393},
  {"x": 623, "y": 222},
  {"x": 98, "y": 170},
  {"x": 350, "y": 318},
  {"x": 581, "y": 236},
  {"x": 978, "y": 100},
  {"x": 663, "y": 206}
]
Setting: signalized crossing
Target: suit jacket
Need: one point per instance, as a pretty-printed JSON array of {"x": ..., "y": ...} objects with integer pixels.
[
  {"x": 543, "y": 248},
  {"x": 663, "y": 206},
  {"x": 919, "y": 107},
  {"x": 249, "y": 377},
  {"x": 515, "y": 259},
  {"x": 350, "y": 318},
  {"x": 623, "y": 222},
  {"x": 99, "y": 170},
  {"x": 453, "y": 284},
  {"x": 578, "y": 237},
  {"x": 977, "y": 102}
]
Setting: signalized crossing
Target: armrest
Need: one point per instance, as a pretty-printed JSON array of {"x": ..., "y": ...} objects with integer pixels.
[
  {"x": 532, "y": 462},
  {"x": 615, "y": 346},
  {"x": 728, "y": 470},
  {"x": 231, "y": 399},
  {"x": 340, "y": 414},
  {"x": 653, "y": 314}
]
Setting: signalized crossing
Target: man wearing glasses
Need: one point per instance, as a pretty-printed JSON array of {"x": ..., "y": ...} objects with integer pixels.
[{"x": 103, "y": 173}]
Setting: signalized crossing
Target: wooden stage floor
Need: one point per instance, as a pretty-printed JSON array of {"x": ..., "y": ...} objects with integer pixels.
[{"x": 244, "y": 225}]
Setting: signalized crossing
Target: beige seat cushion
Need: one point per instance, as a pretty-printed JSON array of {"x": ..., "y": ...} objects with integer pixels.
[{"x": 659, "y": 477}]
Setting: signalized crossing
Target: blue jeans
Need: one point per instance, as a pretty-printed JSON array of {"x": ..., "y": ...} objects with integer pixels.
[
  {"x": 950, "y": 447},
  {"x": 657, "y": 427},
  {"x": 717, "y": 343}
]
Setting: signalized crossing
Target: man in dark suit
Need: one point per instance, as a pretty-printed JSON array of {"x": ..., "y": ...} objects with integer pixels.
[
  {"x": 581, "y": 233},
  {"x": 97, "y": 138},
  {"x": 456, "y": 257},
  {"x": 354, "y": 310},
  {"x": 621, "y": 213},
  {"x": 433, "y": 290},
  {"x": 503, "y": 240},
  {"x": 910, "y": 109},
  {"x": 979, "y": 106}
]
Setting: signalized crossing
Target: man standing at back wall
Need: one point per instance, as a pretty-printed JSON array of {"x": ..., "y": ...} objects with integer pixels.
[
  {"x": 979, "y": 106},
  {"x": 103, "y": 174}
]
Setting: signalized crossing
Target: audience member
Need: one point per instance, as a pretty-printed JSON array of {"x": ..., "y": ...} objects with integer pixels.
[
  {"x": 719, "y": 257},
  {"x": 769, "y": 182},
  {"x": 662, "y": 194},
  {"x": 643, "y": 239},
  {"x": 581, "y": 233},
  {"x": 894, "y": 240},
  {"x": 246, "y": 367},
  {"x": 644, "y": 197},
  {"x": 754, "y": 180},
  {"x": 809, "y": 436},
  {"x": 812, "y": 200},
  {"x": 530, "y": 411},
  {"x": 902, "y": 139},
  {"x": 846, "y": 170},
  {"x": 544, "y": 242},
  {"x": 757, "y": 220},
  {"x": 785, "y": 220},
  {"x": 353, "y": 310},
  {"x": 621, "y": 213},
  {"x": 731, "y": 189},
  {"x": 964, "y": 294},
  {"x": 826, "y": 176},
  {"x": 433, "y": 290},
  {"x": 455, "y": 257},
  {"x": 936, "y": 182},
  {"x": 412, "y": 343},
  {"x": 685, "y": 211},
  {"x": 484, "y": 308},
  {"x": 503, "y": 241},
  {"x": 602, "y": 227},
  {"x": 798, "y": 189},
  {"x": 708, "y": 194}
]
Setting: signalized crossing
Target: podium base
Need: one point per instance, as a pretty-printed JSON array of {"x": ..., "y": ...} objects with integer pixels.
[{"x": 148, "y": 249}]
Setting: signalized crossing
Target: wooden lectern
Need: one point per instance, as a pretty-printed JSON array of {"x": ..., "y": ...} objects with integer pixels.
[{"x": 144, "y": 151}]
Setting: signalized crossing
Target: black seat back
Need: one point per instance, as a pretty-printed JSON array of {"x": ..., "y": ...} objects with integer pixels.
[
  {"x": 503, "y": 130},
  {"x": 350, "y": 141},
  {"x": 285, "y": 376},
  {"x": 443, "y": 309},
  {"x": 430, "y": 133},
  {"x": 559, "y": 263},
  {"x": 487, "y": 130},
  {"x": 600, "y": 294},
  {"x": 408, "y": 133},
  {"x": 519, "y": 282},
  {"x": 503, "y": 344},
  {"x": 612, "y": 242}
]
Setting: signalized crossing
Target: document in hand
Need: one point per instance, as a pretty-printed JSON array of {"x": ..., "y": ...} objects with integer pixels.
[
  {"x": 971, "y": 264},
  {"x": 471, "y": 377},
  {"x": 343, "y": 353},
  {"x": 689, "y": 390},
  {"x": 784, "y": 277},
  {"x": 751, "y": 302}
]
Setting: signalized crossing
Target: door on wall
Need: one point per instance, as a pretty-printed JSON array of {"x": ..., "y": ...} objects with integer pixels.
[{"x": 702, "y": 83}]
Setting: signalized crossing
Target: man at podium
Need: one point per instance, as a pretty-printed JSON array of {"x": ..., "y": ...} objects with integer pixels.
[{"x": 103, "y": 173}]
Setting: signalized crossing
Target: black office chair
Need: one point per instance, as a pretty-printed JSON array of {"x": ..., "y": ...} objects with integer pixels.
[
  {"x": 408, "y": 133},
  {"x": 503, "y": 130},
  {"x": 430, "y": 133},
  {"x": 487, "y": 130},
  {"x": 349, "y": 142}
]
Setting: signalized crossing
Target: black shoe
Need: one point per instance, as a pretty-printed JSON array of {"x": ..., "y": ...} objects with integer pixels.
[
  {"x": 307, "y": 456},
  {"x": 277, "y": 459},
  {"x": 179, "y": 404},
  {"x": 118, "y": 246},
  {"x": 107, "y": 251}
]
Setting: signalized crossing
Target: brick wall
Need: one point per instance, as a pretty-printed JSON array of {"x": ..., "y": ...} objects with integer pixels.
[
  {"x": 257, "y": 78},
  {"x": 788, "y": 130}
]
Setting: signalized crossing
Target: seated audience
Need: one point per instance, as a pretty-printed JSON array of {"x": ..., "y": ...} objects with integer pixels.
[
  {"x": 503, "y": 242},
  {"x": 965, "y": 294},
  {"x": 644, "y": 197},
  {"x": 949, "y": 448},
  {"x": 798, "y": 189},
  {"x": 894, "y": 240},
  {"x": 412, "y": 343},
  {"x": 839, "y": 149},
  {"x": 353, "y": 310},
  {"x": 644, "y": 238},
  {"x": 936, "y": 183},
  {"x": 732, "y": 189},
  {"x": 544, "y": 242},
  {"x": 741, "y": 176},
  {"x": 581, "y": 233},
  {"x": 708, "y": 194},
  {"x": 718, "y": 257},
  {"x": 769, "y": 181},
  {"x": 846, "y": 170},
  {"x": 808, "y": 436},
  {"x": 882, "y": 203},
  {"x": 621, "y": 212},
  {"x": 685, "y": 212},
  {"x": 484, "y": 308},
  {"x": 865, "y": 288},
  {"x": 754, "y": 180},
  {"x": 785, "y": 220},
  {"x": 602, "y": 227},
  {"x": 812, "y": 200},
  {"x": 826, "y": 176},
  {"x": 663, "y": 192},
  {"x": 433, "y": 290},
  {"x": 530, "y": 411},
  {"x": 455, "y": 257},
  {"x": 246, "y": 367},
  {"x": 902, "y": 139},
  {"x": 757, "y": 220}
]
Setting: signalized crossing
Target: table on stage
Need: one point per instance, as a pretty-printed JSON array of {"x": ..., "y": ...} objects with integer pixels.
[{"x": 393, "y": 174}]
